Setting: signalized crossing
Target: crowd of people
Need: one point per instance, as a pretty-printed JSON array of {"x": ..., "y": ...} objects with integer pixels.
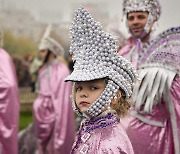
[{"x": 127, "y": 98}]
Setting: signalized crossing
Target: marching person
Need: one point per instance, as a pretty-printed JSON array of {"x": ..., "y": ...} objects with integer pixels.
[
  {"x": 53, "y": 114},
  {"x": 9, "y": 104},
  {"x": 153, "y": 126}
]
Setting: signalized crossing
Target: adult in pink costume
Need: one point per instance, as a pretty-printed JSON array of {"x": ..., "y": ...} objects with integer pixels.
[
  {"x": 154, "y": 126},
  {"x": 53, "y": 114},
  {"x": 9, "y": 105},
  {"x": 96, "y": 57}
]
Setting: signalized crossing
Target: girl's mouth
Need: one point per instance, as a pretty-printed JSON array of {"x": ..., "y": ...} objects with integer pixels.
[{"x": 84, "y": 103}]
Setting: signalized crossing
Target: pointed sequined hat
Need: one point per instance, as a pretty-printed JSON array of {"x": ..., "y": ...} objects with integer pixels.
[
  {"x": 95, "y": 54},
  {"x": 51, "y": 41}
]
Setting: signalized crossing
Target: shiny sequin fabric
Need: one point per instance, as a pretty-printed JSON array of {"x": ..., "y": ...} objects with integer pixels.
[
  {"x": 156, "y": 97},
  {"x": 163, "y": 51},
  {"x": 102, "y": 135}
]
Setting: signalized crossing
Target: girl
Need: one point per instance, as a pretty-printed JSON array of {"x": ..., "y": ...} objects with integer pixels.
[{"x": 102, "y": 85}]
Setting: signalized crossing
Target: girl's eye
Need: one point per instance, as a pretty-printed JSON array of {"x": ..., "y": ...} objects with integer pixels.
[
  {"x": 94, "y": 88},
  {"x": 78, "y": 88}
]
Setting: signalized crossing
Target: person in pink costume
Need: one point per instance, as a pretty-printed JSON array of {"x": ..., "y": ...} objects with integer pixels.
[
  {"x": 153, "y": 125},
  {"x": 53, "y": 115},
  {"x": 102, "y": 84},
  {"x": 9, "y": 104},
  {"x": 141, "y": 18}
]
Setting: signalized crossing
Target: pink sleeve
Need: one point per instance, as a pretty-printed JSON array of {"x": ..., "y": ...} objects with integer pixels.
[
  {"x": 9, "y": 105},
  {"x": 123, "y": 51},
  {"x": 175, "y": 93},
  {"x": 127, "y": 47},
  {"x": 54, "y": 120},
  {"x": 65, "y": 126},
  {"x": 115, "y": 141},
  {"x": 44, "y": 113}
]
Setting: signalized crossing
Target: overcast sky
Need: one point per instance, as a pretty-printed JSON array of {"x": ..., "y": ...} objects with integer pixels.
[{"x": 62, "y": 9}]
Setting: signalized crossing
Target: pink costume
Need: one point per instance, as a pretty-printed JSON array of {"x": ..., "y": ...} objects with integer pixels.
[
  {"x": 95, "y": 55},
  {"x": 9, "y": 105},
  {"x": 102, "y": 135},
  {"x": 54, "y": 117},
  {"x": 157, "y": 131},
  {"x": 128, "y": 52}
]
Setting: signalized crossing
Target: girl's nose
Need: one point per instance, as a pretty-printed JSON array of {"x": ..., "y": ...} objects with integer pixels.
[{"x": 83, "y": 94}]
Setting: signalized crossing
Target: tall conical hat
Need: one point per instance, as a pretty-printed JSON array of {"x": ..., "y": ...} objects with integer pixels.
[
  {"x": 95, "y": 54},
  {"x": 50, "y": 40}
]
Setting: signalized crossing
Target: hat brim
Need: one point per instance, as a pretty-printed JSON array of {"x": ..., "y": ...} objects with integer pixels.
[{"x": 79, "y": 75}]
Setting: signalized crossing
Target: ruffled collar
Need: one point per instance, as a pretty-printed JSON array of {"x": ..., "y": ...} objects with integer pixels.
[
  {"x": 104, "y": 120},
  {"x": 100, "y": 122}
]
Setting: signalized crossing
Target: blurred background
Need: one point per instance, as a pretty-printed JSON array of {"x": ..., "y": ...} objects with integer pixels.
[{"x": 24, "y": 21}]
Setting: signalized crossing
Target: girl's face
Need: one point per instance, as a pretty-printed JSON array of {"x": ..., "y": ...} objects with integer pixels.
[{"x": 87, "y": 92}]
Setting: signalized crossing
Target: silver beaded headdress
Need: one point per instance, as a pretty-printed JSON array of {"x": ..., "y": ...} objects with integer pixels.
[
  {"x": 151, "y": 6},
  {"x": 49, "y": 41},
  {"x": 95, "y": 56}
]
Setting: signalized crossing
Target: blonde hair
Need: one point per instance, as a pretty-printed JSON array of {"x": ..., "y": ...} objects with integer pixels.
[{"x": 120, "y": 104}]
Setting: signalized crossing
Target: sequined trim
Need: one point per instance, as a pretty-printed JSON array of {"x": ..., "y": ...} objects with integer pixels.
[{"x": 87, "y": 129}]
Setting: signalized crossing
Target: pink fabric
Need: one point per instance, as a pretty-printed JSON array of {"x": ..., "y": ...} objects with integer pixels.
[
  {"x": 9, "y": 105},
  {"x": 156, "y": 140},
  {"x": 109, "y": 139},
  {"x": 54, "y": 117},
  {"x": 125, "y": 51},
  {"x": 148, "y": 139},
  {"x": 175, "y": 92}
]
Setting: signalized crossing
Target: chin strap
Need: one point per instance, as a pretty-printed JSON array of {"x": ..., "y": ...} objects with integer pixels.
[{"x": 100, "y": 104}]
